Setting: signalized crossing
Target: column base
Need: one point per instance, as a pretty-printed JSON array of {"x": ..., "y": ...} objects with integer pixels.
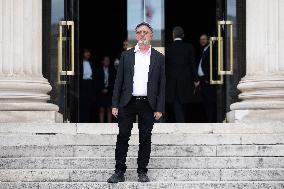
[
  {"x": 30, "y": 117},
  {"x": 255, "y": 116}
]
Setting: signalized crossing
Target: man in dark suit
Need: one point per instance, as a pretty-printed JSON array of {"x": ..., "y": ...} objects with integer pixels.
[
  {"x": 139, "y": 90},
  {"x": 86, "y": 85},
  {"x": 180, "y": 74},
  {"x": 208, "y": 92}
]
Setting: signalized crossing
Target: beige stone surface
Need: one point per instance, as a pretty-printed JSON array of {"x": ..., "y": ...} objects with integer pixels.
[
  {"x": 30, "y": 116},
  {"x": 256, "y": 116},
  {"x": 262, "y": 89},
  {"x": 23, "y": 89}
]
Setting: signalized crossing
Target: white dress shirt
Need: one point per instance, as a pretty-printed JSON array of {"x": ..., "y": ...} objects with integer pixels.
[
  {"x": 141, "y": 69},
  {"x": 87, "y": 70},
  {"x": 106, "y": 74},
  {"x": 200, "y": 71},
  {"x": 178, "y": 39}
]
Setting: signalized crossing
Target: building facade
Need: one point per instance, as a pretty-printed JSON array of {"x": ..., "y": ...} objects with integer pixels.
[{"x": 41, "y": 41}]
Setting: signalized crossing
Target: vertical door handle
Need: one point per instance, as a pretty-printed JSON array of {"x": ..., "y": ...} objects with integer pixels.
[
  {"x": 71, "y": 52},
  {"x": 221, "y": 24},
  {"x": 220, "y": 56}
]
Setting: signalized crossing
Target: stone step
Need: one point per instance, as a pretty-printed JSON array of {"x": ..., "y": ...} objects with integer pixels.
[
  {"x": 101, "y": 175},
  {"x": 158, "y": 139},
  {"x": 136, "y": 185},
  {"x": 155, "y": 175},
  {"x": 157, "y": 151},
  {"x": 250, "y": 150},
  {"x": 155, "y": 163},
  {"x": 165, "y": 128},
  {"x": 103, "y": 151}
]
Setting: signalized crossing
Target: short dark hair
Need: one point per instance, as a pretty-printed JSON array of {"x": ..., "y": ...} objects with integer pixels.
[
  {"x": 205, "y": 34},
  {"x": 144, "y": 24},
  {"x": 86, "y": 50},
  {"x": 178, "y": 32}
]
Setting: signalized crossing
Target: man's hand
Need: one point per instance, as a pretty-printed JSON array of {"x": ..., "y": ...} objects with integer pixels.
[
  {"x": 158, "y": 115},
  {"x": 196, "y": 84},
  {"x": 104, "y": 91},
  {"x": 114, "y": 112}
]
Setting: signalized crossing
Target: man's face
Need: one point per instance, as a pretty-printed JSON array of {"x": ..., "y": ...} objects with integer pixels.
[
  {"x": 204, "y": 40},
  {"x": 106, "y": 61},
  {"x": 125, "y": 45},
  {"x": 144, "y": 35},
  {"x": 87, "y": 55}
]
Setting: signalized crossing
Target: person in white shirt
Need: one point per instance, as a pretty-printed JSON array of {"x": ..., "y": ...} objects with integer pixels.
[
  {"x": 86, "y": 85},
  {"x": 139, "y": 90},
  {"x": 208, "y": 92}
]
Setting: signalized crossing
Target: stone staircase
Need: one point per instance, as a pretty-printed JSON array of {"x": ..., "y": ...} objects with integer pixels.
[{"x": 187, "y": 156}]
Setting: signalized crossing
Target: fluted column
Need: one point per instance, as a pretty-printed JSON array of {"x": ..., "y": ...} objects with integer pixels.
[
  {"x": 262, "y": 89},
  {"x": 23, "y": 89}
]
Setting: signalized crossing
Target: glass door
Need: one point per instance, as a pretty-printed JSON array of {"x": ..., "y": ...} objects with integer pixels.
[
  {"x": 60, "y": 54},
  {"x": 226, "y": 54},
  {"x": 148, "y": 11}
]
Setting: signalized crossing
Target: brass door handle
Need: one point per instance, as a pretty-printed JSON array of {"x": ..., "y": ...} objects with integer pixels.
[
  {"x": 220, "y": 41},
  {"x": 220, "y": 58},
  {"x": 221, "y": 24},
  {"x": 71, "y": 51}
]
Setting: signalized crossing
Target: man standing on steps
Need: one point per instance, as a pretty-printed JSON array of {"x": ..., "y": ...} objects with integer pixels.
[{"x": 139, "y": 90}]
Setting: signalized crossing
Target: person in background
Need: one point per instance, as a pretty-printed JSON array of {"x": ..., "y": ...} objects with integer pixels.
[
  {"x": 180, "y": 75},
  {"x": 124, "y": 48},
  {"x": 86, "y": 87},
  {"x": 105, "y": 83},
  {"x": 208, "y": 92}
]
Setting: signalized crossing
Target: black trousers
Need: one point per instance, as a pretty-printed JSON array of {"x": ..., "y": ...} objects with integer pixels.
[
  {"x": 208, "y": 93},
  {"x": 179, "y": 111},
  {"x": 175, "y": 111},
  {"x": 86, "y": 97},
  {"x": 126, "y": 117}
]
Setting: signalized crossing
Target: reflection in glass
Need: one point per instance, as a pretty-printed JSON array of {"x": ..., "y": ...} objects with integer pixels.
[
  {"x": 57, "y": 14},
  {"x": 150, "y": 11},
  {"x": 230, "y": 86}
]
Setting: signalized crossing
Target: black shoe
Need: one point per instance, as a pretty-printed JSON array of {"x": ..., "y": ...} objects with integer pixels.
[
  {"x": 142, "y": 177},
  {"x": 116, "y": 177}
]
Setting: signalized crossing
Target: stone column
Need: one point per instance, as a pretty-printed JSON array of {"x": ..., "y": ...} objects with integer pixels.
[
  {"x": 262, "y": 89},
  {"x": 23, "y": 89}
]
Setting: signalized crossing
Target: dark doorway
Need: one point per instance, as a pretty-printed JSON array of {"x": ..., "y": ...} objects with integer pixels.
[
  {"x": 103, "y": 28},
  {"x": 195, "y": 17}
]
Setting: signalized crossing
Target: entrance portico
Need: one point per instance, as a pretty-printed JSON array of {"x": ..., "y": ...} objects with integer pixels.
[
  {"x": 24, "y": 91},
  {"x": 262, "y": 89}
]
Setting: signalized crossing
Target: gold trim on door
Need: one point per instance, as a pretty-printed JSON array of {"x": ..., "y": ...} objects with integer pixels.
[
  {"x": 221, "y": 24},
  {"x": 220, "y": 40},
  {"x": 220, "y": 55},
  {"x": 71, "y": 50}
]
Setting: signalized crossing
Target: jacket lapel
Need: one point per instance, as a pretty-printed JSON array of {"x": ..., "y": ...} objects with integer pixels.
[
  {"x": 132, "y": 62},
  {"x": 152, "y": 62}
]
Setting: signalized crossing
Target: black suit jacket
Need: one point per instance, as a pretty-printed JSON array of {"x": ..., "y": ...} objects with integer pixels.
[
  {"x": 123, "y": 87},
  {"x": 205, "y": 65},
  {"x": 81, "y": 70},
  {"x": 180, "y": 71},
  {"x": 100, "y": 76},
  {"x": 81, "y": 73},
  {"x": 208, "y": 91}
]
